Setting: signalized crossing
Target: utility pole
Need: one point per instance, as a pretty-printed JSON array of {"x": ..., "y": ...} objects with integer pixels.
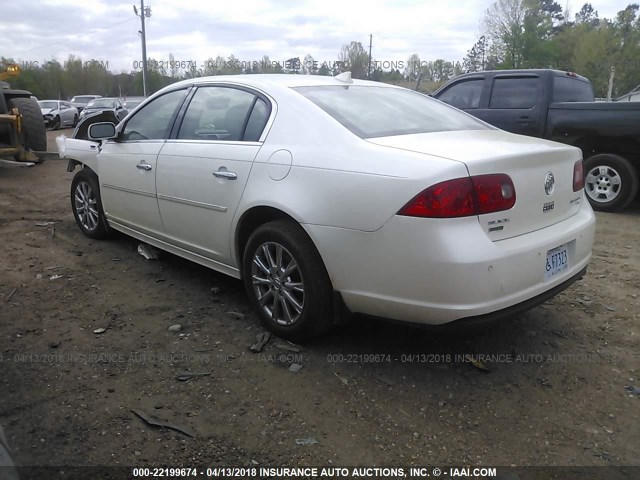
[
  {"x": 144, "y": 12},
  {"x": 370, "y": 43},
  {"x": 610, "y": 89}
]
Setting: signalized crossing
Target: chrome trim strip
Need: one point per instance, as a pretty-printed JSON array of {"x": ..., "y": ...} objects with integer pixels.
[
  {"x": 129, "y": 190},
  {"x": 192, "y": 203}
]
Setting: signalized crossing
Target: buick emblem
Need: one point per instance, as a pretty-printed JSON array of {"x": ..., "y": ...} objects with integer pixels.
[{"x": 549, "y": 183}]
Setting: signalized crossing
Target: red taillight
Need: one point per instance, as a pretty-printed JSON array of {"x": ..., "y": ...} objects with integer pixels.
[
  {"x": 494, "y": 192},
  {"x": 463, "y": 197},
  {"x": 578, "y": 176}
]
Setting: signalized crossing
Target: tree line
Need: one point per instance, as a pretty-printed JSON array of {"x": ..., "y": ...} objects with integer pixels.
[
  {"x": 515, "y": 34},
  {"x": 539, "y": 34}
]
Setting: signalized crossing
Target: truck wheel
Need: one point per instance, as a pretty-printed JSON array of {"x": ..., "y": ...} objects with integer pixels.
[
  {"x": 33, "y": 130},
  {"x": 611, "y": 182}
]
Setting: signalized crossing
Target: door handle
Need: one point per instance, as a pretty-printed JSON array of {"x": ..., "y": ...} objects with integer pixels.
[
  {"x": 225, "y": 174},
  {"x": 144, "y": 166}
]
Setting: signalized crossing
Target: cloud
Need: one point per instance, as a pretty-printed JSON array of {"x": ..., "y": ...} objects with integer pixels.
[{"x": 195, "y": 30}]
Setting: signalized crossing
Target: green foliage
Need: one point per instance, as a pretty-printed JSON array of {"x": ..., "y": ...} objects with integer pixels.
[
  {"x": 537, "y": 34},
  {"x": 355, "y": 59}
]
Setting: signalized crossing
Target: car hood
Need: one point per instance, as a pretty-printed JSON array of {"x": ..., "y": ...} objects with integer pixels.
[{"x": 46, "y": 111}]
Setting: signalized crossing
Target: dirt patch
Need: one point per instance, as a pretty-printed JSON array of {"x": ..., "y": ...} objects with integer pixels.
[{"x": 370, "y": 393}]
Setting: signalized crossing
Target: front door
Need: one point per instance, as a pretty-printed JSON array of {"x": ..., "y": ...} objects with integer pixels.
[{"x": 127, "y": 165}]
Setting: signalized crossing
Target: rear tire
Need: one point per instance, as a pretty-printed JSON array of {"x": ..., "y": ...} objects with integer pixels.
[
  {"x": 287, "y": 281},
  {"x": 611, "y": 182},
  {"x": 87, "y": 205},
  {"x": 33, "y": 129}
]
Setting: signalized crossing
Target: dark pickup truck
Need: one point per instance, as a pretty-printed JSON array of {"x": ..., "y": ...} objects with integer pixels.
[{"x": 560, "y": 106}]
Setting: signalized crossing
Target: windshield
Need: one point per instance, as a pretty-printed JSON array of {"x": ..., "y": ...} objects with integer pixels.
[
  {"x": 83, "y": 100},
  {"x": 48, "y": 105},
  {"x": 370, "y": 111},
  {"x": 103, "y": 103},
  {"x": 569, "y": 89}
]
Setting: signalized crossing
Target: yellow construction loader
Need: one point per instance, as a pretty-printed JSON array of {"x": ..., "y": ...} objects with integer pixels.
[{"x": 23, "y": 136}]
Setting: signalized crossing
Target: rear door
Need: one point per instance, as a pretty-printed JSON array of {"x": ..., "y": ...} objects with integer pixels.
[
  {"x": 515, "y": 104},
  {"x": 204, "y": 167}
]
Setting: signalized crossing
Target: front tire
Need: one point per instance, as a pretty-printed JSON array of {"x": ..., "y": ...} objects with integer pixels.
[
  {"x": 611, "y": 182},
  {"x": 87, "y": 205},
  {"x": 287, "y": 281}
]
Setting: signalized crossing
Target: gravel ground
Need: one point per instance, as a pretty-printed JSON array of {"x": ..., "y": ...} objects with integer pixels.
[{"x": 369, "y": 393}]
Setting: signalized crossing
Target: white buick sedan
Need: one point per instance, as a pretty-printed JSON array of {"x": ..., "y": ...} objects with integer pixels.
[{"x": 329, "y": 194}]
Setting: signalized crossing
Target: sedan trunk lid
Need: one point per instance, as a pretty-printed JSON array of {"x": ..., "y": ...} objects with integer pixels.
[{"x": 541, "y": 171}]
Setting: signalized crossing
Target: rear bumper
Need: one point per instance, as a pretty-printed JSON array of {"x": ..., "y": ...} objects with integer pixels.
[
  {"x": 436, "y": 271},
  {"x": 520, "y": 307}
]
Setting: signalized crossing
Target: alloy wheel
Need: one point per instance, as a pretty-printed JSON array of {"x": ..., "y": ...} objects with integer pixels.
[
  {"x": 277, "y": 283},
  {"x": 86, "y": 205}
]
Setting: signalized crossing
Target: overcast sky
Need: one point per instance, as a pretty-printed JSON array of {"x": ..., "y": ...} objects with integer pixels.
[{"x": 196, "y": 30}]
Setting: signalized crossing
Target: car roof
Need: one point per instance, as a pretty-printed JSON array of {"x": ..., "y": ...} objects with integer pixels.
[
  {"x": 515, "y": 72},
  {"x": 266, "y": 81}
]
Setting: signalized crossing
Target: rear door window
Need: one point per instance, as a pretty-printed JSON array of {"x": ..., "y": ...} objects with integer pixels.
[{"x": 514, "y": 92}]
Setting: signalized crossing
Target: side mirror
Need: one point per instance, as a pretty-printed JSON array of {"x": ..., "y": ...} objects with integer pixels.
[{"x": 102, "y": 131}]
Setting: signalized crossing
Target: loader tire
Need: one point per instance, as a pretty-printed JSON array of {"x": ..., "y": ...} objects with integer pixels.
[{"x": 33, "y": 129}]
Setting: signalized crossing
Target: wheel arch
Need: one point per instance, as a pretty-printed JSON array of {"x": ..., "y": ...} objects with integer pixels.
[{"x": 250, "y": 220}]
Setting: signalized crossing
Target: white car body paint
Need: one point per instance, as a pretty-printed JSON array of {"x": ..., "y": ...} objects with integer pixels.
[{"x": 346, "y": 191}]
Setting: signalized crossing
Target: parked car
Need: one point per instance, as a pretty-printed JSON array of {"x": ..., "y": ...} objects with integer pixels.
[
  {"x": 560, "y": 106},
  {"x": 58, "y": 114},
  {"x": 81, "y": 101},
  {"x": 132, "y": 102},
  {"x": 326, "y": 193},
  {"x": 104, "y": 104}
]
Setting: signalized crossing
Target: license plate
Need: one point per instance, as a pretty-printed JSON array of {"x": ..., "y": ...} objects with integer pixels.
[{"x": 557, "y": 262}]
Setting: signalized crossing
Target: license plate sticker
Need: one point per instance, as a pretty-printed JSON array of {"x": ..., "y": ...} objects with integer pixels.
[{"x": 557, "y": 262}]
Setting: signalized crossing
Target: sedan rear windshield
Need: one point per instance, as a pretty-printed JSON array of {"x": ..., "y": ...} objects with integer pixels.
[
  {"x": 82, "y": 99},
  {"x": 50, "y": 105},
  {"x": 370, "y": 111},
  {"x": 103, "y": 103}
]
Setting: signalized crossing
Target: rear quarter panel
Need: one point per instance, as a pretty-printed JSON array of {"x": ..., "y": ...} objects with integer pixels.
[{"x": 336, "y": 178}]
